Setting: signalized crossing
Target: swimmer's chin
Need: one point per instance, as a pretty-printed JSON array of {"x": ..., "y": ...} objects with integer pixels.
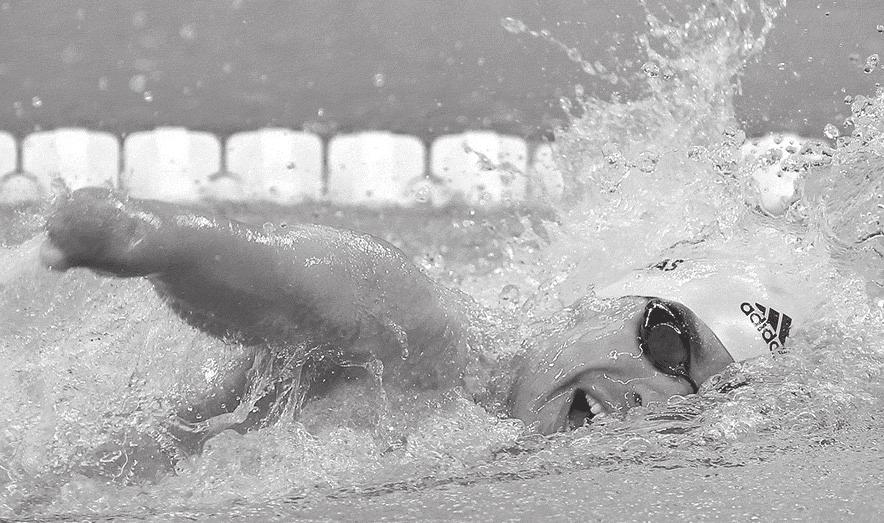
[{"x": 54, "y": 258}]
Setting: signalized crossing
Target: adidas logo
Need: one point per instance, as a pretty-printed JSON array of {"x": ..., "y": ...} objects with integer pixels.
[{"x": 773, "y": 326}]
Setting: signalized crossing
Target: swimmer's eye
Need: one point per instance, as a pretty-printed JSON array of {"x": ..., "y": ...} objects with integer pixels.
[{"x": 665, "y": 340}]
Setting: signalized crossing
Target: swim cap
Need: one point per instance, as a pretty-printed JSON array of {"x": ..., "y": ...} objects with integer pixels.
[{"x": 751, "y": 308}]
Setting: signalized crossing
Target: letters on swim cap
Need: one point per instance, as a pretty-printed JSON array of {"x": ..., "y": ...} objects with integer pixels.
[
  {"x": 773, "y": 326},
  {"x": 743, "y": 304}
]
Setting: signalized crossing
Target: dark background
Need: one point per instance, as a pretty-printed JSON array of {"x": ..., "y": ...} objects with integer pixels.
[{"x": 444, "y": 65}]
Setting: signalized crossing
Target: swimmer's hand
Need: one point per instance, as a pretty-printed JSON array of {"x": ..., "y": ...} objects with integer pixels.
[{"x": 98, "y": 229}]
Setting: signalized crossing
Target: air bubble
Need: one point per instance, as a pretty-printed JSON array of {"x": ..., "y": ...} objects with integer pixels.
[
  {"x": 647, "y": 162},
  {"x": 880, "y": 28},
  {"x": 422, "y": 195},
  {"x": 651, "y": 69},
  {"x": 574, "y": 55},
  {"x": 611, "y": 153},
  {"x": 831, "y": 132},
  {"x": 137, "y": 83},
  {"x": 510, "y": 293},
  {"x": 36, "y": 102},
  {"x": 187, "y": 32},
  {"x": 379, "y": 80},
  {"x": 872, "y": 62},
  {"x": 513, "y": 26},
  {"x": 697, "y": 152},
  {"x": 148, "y": 96}
]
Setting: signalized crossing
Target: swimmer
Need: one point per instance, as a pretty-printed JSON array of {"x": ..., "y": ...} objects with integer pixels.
[{"x": 310, "y": 300}]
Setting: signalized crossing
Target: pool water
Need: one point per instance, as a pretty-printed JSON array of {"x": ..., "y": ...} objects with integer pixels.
[{"x": 91, "y": 360}]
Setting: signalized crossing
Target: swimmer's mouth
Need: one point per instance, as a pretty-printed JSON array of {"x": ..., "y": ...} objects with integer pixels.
[{"x": 583, "y": 409}]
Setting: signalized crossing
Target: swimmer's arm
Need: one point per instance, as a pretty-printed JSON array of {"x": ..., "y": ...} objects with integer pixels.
[{"x": 308, "y": 284}]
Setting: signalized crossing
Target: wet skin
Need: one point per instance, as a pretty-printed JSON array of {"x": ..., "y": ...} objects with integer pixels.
[{"x": 325, "y": 294}]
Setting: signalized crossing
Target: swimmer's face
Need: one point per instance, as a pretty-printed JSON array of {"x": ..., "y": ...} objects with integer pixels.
[{"x": 605, "y": 357}]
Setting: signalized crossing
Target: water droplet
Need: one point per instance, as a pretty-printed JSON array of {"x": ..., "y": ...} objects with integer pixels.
[
  {"x": 697, "y": 152},
  {"x": 379, "y": 80},
  {"x": 139, "y": 19},
  {"x": 831, "y": 131},
  {"x": 187, "y": 32},
  {"x": 422, "y": 194},
  {"x": 137, "y": 83},
  {"x": 36, "y": 102},
  {"x": 510, "y": 293},
  {"x": 871, "y": 63},
  {"x": 651, "y": 69},
  {"x": 268, "y": 228},
  {"x": 513, "y": 26},
  {"x": 611, "y": 153},
  {"x": 647, "y": 162},
  {"x": 574, "y": 55}
]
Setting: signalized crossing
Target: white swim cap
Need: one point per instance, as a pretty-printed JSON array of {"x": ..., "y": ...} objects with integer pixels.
[{"x": 751, "y": 308}]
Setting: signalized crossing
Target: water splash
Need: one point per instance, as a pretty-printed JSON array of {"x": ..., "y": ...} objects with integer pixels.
[
  {"x": 845, "y": 200},
  {"x": 90, "y": 359},
  {"x": 658, "y": 165}
]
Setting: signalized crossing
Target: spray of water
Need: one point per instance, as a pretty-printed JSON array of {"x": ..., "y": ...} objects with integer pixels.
[{"x": 91, "y": 360}]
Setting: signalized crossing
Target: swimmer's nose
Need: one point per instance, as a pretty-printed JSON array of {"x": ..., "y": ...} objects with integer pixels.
[{"x": 53, "y": 258}]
